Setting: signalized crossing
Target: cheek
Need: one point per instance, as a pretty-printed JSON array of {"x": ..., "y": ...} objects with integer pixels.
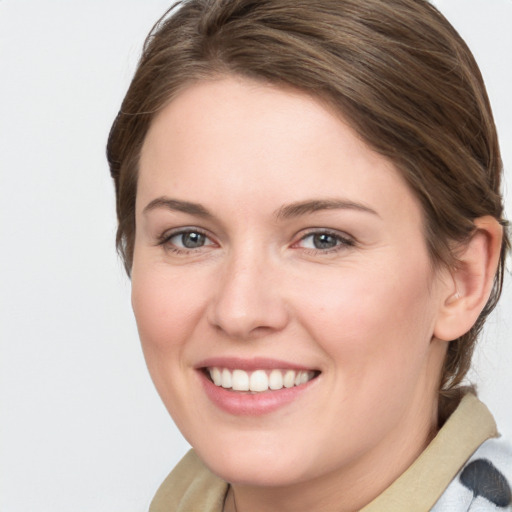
[
  {"x": 166, "y": 309},
  {"x": 378, "y": 317}
]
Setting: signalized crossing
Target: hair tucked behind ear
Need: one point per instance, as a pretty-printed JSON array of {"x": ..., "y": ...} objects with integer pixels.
[{"x": 396, "y": 70}]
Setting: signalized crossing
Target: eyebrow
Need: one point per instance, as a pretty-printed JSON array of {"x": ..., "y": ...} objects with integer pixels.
[
  {"x": 304, "y": 207},
  {"x": 177, "y": 205},
  {"x": 284, "y": 212}
]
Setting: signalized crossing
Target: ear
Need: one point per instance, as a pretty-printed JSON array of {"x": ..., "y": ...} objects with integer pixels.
[{"x": 472, "y": 280}]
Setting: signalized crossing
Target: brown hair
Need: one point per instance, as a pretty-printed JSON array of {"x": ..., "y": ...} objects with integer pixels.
[{"x": 396, "y": 70}]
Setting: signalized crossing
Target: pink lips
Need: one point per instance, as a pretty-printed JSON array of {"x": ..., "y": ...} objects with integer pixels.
[{"x": 246, "y": 403}]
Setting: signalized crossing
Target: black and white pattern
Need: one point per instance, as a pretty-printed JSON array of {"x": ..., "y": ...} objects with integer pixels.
[{"x": 484, "y": 484}]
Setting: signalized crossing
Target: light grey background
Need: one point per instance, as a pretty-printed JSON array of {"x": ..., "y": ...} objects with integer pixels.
[{"x": 81, "y": 426}]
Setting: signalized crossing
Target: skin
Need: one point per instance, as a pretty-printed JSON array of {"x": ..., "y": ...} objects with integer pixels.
[{"x": 364, "y": 313}]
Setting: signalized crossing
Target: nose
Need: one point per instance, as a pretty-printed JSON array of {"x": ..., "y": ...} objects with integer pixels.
[{"x": 248, "y": 302}]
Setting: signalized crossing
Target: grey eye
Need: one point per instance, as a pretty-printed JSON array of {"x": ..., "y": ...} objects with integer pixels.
[
  {"x": 189, "y": 240},
  {"x": 192, "y": 240},
  {"x": 324, "y": 241},
  {"x": 320, "y": 241}
]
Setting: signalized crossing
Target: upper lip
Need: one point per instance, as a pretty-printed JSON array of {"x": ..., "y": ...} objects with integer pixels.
[{"x": 257, "y": 363}]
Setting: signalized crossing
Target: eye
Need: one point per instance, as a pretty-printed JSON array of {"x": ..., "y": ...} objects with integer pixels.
[
  {"x": 324, "y": 241},
  {"x": 189, "y": 239}
]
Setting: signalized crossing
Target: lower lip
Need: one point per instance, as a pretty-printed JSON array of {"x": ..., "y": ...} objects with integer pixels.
[{"x": 251, "y": 404}]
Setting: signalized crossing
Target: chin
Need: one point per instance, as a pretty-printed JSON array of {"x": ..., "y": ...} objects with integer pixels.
[
  {"x": 257, "y": 464},
  {"x": 258, "y": 474}
]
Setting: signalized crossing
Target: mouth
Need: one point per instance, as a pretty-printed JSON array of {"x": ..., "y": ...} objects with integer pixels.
[
  {"x": 258, "y": 381},
  {"x": 257, "y": 386}
]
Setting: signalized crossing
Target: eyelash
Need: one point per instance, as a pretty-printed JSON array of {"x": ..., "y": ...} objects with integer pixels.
[
  {"x": 165, "y": 240},
  {"x": 343, "y": 242}
]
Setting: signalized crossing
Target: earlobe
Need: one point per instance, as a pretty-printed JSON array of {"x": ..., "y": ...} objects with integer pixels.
[{"x": 472, "y": 280}]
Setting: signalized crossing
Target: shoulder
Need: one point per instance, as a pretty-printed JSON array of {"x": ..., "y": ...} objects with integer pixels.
[
  {"x": 190, "y": 486},
  {"x": 484, "y": 483}
]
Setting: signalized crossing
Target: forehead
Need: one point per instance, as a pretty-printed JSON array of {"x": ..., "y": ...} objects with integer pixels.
[{"x": 232, "y": 138}]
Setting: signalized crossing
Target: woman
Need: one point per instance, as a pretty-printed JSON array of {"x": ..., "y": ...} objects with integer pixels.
[{"x": 309, "y": 208}]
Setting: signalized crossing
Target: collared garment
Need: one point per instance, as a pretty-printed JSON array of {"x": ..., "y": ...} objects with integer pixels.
[{"x": 465, "y": 468}]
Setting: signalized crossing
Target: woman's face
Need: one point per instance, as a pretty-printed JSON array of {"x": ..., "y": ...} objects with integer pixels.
[{"x": 274, "y": 248}]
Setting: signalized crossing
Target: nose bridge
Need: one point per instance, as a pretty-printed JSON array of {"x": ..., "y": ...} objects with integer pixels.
[{"x": 247, "y": 302}]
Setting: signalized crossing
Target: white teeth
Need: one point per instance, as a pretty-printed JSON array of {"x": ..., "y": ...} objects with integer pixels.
[
  {"x": 289, "y": 379},
  {"x": 226, "y": 378},
  {"x": 240, "y": 381},
  {"x": 216, "y": 376},
  {"x": 275, "y": 380},
  {"x": 259, "y": 380}
]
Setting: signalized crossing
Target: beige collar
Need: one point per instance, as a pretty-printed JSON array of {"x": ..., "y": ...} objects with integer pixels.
[{"x": 423, "y": 483}]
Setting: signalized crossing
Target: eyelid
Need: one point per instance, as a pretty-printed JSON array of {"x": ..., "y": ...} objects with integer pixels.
[
  {"x": 345, "y": 239},
  {"x": 166, "y": 236}
]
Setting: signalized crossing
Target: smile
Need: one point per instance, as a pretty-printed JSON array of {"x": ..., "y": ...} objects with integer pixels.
[{"x": 260, "y": 380}]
